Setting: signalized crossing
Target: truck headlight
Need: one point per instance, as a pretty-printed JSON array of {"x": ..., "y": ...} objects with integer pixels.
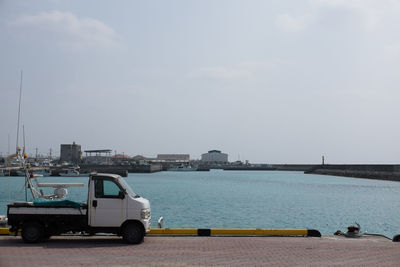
[{"x": 145, "y": 213}]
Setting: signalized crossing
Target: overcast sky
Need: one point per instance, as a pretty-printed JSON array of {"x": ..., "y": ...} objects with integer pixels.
[{"x": 268, "y": 81}]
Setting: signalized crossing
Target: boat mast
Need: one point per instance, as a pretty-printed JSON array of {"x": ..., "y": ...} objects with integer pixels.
[
  {"x": 22, "y": 156},
  {"x": 19, "y": 111},
  {"x": 23, "y": 134}
]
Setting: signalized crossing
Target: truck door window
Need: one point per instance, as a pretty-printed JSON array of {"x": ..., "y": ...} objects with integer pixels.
[
  {"x": 110, "y": 189},
  {"x": 106, "y": 189}
]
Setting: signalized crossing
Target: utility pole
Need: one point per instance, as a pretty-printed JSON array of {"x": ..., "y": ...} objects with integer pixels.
[{"x": 8, "y": 145}]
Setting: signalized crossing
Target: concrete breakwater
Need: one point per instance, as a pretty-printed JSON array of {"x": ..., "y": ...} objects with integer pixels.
[
  {"x": 268, "y": 167},
  {"x": 390, "y": 172},
  {"x": 122, "y": 170},
  {"x": 294, "y": 167},
  {"x": 374, "y": 171},
  {"x": 150, "y": 168}
]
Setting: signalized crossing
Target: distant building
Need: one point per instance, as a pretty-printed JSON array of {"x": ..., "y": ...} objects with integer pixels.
[
  {"x": 121, "y": 156},
  {"x": 121, "y": 159},
  {"x": 214, "y": 156},
  {"x": 140, "y": 159},
  {"x": 98, "y": 156},
  {"x": 71, "y": 153}
]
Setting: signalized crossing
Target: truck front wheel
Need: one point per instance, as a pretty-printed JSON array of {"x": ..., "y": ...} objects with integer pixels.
[
  {"x": 32, "y": 232},
  {"x": 133, "y": 233}
]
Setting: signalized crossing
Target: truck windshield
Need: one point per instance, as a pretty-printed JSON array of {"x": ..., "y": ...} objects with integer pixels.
[{"x": 126, "y": 186}]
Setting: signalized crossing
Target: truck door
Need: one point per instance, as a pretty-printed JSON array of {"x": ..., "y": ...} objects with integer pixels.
[{"x": 107, "y": 203}]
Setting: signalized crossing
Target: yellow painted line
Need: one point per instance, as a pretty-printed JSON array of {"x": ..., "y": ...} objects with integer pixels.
[
  {"x": 5, "y": 231},
  {"x": 167, "y": 231},
  {"x": 218, "y": 232},
  {"x": 265, "y": 232}
]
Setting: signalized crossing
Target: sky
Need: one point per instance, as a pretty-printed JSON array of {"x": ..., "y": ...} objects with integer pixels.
[{"x": 273, "y": 81}]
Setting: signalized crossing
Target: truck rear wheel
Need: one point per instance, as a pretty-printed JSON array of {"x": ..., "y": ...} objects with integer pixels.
[
  {"x": 133, "y": 233},
  {"x": 32, "y": 232}
]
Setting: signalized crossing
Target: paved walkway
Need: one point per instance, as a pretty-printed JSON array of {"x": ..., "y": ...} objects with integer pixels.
[{"x": 201, "y": 251}]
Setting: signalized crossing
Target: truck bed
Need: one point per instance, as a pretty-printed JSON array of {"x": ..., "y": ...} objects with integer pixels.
[{"x": 59, "y": 215}]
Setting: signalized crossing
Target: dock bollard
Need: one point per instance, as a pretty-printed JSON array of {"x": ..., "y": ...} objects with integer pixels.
[
  {"x": 160, "y": 222},
  {"x": 396, "y": 238}
]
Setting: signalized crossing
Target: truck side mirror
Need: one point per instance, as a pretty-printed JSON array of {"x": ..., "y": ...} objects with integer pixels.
[{"x": 121, "y": 195}]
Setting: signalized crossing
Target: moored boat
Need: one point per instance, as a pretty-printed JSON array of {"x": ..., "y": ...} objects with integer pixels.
[
  {"x": 183, "y": 169},
  {"x": 73, "y": 172}
]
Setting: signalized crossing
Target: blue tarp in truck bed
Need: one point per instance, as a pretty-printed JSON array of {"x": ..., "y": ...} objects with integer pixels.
[{"x": 64, "y": 203}]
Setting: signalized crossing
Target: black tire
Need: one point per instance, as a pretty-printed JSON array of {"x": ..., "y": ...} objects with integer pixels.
[
  {"x": 133, "y": 233},
  {"x": 32, "y": 232}
]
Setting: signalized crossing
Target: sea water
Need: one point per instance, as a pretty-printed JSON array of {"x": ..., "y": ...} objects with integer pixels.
[{"x": 252, "y": 199}]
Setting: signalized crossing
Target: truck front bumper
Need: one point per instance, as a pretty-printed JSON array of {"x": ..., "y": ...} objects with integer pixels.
[{"x": 147, "y": 224}]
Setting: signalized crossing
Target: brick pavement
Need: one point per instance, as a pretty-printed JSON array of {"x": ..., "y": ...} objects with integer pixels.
[{"x": 201, "y": 251}]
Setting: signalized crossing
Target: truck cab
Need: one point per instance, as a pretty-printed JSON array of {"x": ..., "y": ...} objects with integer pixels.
[
  {"x": 112, "y": 203},
  {"x": 112, "y": 207}
]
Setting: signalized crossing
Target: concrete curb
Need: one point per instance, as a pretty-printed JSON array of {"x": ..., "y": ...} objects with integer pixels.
[
  {"x": 234, "y": 232},
  {"x": 219, "y": 232}
]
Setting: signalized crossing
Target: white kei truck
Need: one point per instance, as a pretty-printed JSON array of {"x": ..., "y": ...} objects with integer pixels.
[{"x": 112, "y": 207}]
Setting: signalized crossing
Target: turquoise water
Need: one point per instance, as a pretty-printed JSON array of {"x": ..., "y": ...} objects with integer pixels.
[{"x": 254, "y": 199}]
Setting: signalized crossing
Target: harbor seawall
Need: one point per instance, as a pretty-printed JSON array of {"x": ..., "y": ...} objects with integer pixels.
[
  {"x": 390, "y": 172},
  {"x": 122, "y": 170},
  {"x": 269, "y": 167},
  {"x": 150, "y": 168}
]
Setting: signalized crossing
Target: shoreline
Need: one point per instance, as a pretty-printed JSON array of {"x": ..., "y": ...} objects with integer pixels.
[{"x": 385, "y": 172}]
